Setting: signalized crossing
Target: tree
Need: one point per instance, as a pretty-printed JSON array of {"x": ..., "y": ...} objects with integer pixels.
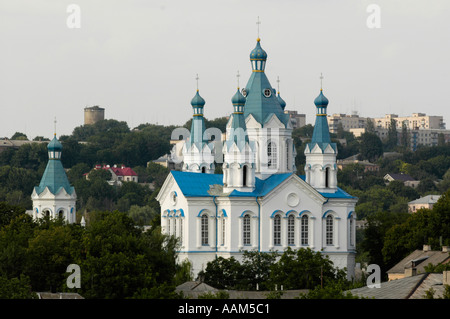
[
  {"x": 223, "y": 273},
  {"x": 371, "y": 146},
  {"x": 303, "y": 269},
  {"x": 392, "y": 138},
  {"x": 16, "y": 288},
  {"x": 19, "y": 136}
]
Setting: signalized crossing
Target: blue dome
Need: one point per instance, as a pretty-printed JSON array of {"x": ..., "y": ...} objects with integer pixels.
[
  {"x": 197, "y": 100},
  {"x": 258, "y": 53},
  {"x": 54, "y": 145},
  {"x": 321, "y": 100},
  {"x": 238, "y": 98},
  {"x": 282, "y": 102}
]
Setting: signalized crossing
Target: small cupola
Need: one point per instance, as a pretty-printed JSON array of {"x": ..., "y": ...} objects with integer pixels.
[
  {"x": 198, "y": 103},
  {"x": 54, "y": 149},
  {"x": 258, "y": 58}
]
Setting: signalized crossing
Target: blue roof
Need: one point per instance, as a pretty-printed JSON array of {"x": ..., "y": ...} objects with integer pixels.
[
  {"x": 260, "y": 106},
  {"x": 198, "y": 185},
  {"x": 54, "y": 178}
]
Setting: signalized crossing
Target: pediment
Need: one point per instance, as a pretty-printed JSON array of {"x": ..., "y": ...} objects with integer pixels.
[
  {"x": 251, "y": 122},
  {"x": 273, "y": 122}
]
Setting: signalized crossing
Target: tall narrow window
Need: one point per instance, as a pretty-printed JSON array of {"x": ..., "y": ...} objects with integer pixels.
[
  {"x": 291, "y": 230},
  {"x": 277, "y": 230},
  {"x": 304, "y": 230},
  {"x": 287, "y": 156},
  {"x": 181, "y": 230},
  {"x": 351, "y": 231},
  {"x": 246, "y": 230},
  {"x": 329, "y": 230},
  {"x": 203, "y": 169},
  {"x": 244, "y": 176},
  {"x": 272, "y": 155},
  {"x": 169, "y": 220},
  {"x": 205, "y": 231},
  {"x": 223, "y": 231},
  {"x": 327, "y": 177},
  {"x": 175, "y": 227}
]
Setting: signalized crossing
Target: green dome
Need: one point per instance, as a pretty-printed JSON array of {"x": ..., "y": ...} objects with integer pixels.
[
  {"x": 321, "y": 100},
  {"x": 282, "y": 102},
  {"x": 197, "y": 100},
  {"x": 54, "y": 145},
  {"x": 238, "y": 98},
  {"x": 258, "y": 53}
]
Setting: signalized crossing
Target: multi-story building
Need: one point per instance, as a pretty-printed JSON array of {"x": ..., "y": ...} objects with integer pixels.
[
  {"x": 297, "y": 120},
  {"x": 348, "y": 122},
  {"x": 418, "y": 121}
]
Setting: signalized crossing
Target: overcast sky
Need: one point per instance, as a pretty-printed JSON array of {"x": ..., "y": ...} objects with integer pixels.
[{"x": 139, "y": 59}]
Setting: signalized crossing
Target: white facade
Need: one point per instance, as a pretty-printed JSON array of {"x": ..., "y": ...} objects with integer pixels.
[
  {"x": 56, "y": 205},
  {"x": 293, "y": 214}
]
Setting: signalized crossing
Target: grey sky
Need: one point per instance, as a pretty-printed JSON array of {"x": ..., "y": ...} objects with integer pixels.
[{"x": 138, "y": 59}]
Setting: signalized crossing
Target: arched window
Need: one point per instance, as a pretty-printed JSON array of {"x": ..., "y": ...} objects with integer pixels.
[
  {"x": 329, "y": 230},
  {"x": 246, "y": 231},
  {"x": 203, "y": 169},
  {"x": 291, "y": 230},
  {"x": 327, "y": 177},
  {"x": 61, "y": 214},
  {"x": 205, "y": 230},
  {"x": 272, "y": 155},
  {"x": 277, "y": 230},
  {"x": 304, "y": 230}
]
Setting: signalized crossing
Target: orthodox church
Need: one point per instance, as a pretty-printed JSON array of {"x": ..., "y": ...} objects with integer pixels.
[
  {"x": 259, "y": 203},
  {"x": 54, "y": 197}
]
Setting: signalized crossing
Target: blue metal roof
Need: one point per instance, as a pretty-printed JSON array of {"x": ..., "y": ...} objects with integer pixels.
[
  {"x": 259, "y": 105},
  {"x": 54, "y": 178},
  {"x": 198, "y": 185}
]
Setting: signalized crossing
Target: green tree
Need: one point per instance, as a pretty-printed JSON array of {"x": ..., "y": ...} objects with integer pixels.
[
  {"x": 19, "y": 136},
  {"x": 303, "y": 269},
  {"x": 371, "y": 146},
  {"x": 16, "y": 288}
]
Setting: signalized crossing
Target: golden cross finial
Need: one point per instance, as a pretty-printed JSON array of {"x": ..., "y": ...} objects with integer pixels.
[
  {"x": 321, "y": 78},
  {"x": 197, "y": 78},
  {"x": 278, "y": 81},
  {"x": 54, "y": 122},
  {"x": 257, "y": 24},
  {"x": 238, "y": 76}
]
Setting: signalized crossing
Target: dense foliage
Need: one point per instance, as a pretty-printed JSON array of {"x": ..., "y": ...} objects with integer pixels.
[{"x": 118, "y": 261}]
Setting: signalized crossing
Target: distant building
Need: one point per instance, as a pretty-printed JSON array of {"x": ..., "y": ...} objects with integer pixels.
[
  {"x": 118, "y": 174},
  {"x": 415, "y": 263},
  {"x": 418, "y": 121},
  {"x": 6, "y": 143},
  {"x": 412, "y": 287},
  {"x": 93, "y": 114},
  {"x": 348, "y": 122},
  {"x": 423, "y": 202},
  {"x": 368, "y": 167},
  {"x": 297, "y": 120},
  {"x": 404, "y": 178}
]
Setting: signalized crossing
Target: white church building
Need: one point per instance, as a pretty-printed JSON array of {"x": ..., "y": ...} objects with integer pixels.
[
  {"x": 54, "y": 197},
  {"x": 258, "y": 203}
]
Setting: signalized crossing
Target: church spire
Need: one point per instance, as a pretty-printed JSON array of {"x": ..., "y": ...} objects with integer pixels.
[
  {"x": 320, "y": 167},
  {"x": 198, "y": 155}
]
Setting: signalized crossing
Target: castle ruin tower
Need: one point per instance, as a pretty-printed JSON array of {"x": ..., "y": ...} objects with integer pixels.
[{"x": 93, "y": 114}]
